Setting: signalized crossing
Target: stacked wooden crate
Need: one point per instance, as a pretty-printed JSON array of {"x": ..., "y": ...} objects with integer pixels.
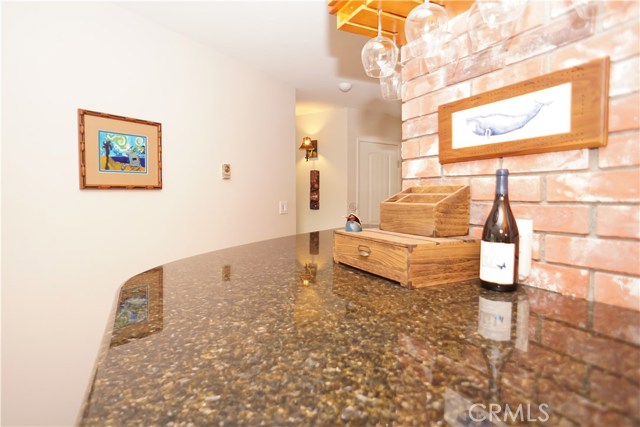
[{"x": 422, "y": 239}]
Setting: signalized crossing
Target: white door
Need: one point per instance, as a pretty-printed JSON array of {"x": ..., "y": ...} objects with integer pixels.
[{"x": 378, "y": 177}]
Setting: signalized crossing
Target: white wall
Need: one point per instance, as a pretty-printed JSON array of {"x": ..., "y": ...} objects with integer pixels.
[
  {"x": 64, "y": 251},
  {"x": 370, "y": 126},
  {"x": 330, "y": 129},
  {"x": 337, "y": 132}
]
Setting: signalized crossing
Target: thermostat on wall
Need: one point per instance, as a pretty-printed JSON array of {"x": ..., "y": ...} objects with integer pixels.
[{"x": 226, "y": 171}]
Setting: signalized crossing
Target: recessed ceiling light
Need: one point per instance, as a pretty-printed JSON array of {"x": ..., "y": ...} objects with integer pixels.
[{"x": 344, "y": 86}]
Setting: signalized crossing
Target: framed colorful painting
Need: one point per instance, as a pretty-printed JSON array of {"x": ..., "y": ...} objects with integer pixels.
[{"x": 119, "y": 152}]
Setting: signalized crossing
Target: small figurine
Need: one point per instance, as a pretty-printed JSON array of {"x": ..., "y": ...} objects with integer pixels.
[{"x": 353, "y": 223}]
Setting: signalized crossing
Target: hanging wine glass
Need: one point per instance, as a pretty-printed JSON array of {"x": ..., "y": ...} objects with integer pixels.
[
  {"x": 380, "y": 54},
  {"x": 451, "y": 49},
  {"x": 422, "y": 28},
  {"x": 483, "y": 35},
  {"x": 391, "y": 85},
  {"x": 587, "y": 9},
  {"x": 498, "y": 12}
]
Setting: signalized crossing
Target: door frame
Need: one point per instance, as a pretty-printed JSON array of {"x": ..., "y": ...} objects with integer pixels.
[{"x": 372, "y": 140}]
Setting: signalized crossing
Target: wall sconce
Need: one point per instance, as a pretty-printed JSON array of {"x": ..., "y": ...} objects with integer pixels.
[{"x": 311, "y": 147}]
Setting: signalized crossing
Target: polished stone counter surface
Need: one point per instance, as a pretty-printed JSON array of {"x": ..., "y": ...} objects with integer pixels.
[{"x": 274, "y": 333}]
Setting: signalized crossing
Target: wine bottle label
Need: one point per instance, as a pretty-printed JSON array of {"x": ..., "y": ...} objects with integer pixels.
[
  {"x": 496, "y": 262},
  {"x": 494, "y": 319}
]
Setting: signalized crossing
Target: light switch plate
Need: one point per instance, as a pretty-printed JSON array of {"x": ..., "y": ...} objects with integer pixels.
[{"x": 226, "y": 171}]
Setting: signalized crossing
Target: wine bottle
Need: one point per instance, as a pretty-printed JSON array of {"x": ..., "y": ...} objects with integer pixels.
[{"x": 500, "y": 242}]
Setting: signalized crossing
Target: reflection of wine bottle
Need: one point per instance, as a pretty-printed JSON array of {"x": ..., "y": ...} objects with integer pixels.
[
  {"x": 500, "y": 241},
  {"x": 503, "y": 323}
]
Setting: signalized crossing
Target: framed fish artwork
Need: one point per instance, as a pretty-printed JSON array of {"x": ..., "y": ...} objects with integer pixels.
[
  {"x": 119, "y": 152},
  {"x": 563, "y": 110}
]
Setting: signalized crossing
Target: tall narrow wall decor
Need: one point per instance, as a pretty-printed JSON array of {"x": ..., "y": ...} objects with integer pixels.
[{"x": 314, "y": 197}]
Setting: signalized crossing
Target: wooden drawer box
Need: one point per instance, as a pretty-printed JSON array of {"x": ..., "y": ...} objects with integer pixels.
[
  {"x": 413, "y": 261},
  {"x": 434, "y": 211}
]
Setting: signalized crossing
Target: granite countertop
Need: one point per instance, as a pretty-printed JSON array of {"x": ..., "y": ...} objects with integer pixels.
[{"x": 274, "y": 333}]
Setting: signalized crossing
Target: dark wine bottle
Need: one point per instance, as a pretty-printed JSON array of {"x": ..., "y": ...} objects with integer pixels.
[{"x": 500, "y": 242}]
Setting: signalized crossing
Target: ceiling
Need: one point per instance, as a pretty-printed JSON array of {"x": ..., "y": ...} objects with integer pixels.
[{"x": 294, "y": 41}]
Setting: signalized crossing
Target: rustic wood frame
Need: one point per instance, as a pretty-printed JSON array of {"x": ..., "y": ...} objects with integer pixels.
[
  {"x": 589, "y": 115},
  {"x": 89, "y": 124}
]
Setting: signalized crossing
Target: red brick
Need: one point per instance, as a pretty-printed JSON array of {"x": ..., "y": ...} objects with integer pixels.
[
  {"x": 421, "y": 126},
  {"x": 624, "y": 77},
  {"x": 615, "y": 392},
  {"x": 429, "y": 103},
  {"x": 515, "y": 73},
  {"x": 605, "y": 186},
  {"x": 458, "y": 24},
  {"x": 617, "y": 322},
  {"x": 564, "y": 370},
  {"x": 423, "y": 85},
  {"x": 624, "y": 113},
  {"x": 444, "y": 181},
  {"x": 597, "y": 350},
  {"x": 408, "y": 183},
  {"x": 621, "y": 291},
  {"x": 429, "y": 145},
  {"x": 411, "y": 109},
  {"x": 475, "y": 167},
  {"x": 584, "y": 411},
  {"x": 562, "y": 160},
  {"x": 621, "y": 150},
  {"x": 521, "y": 188},
  {"x": 475, "y": 232},
  {"x": 422, "y": 167},
  {"x": 413, "y": 68},
  {"x": 478, "y": 213},
  {"x": 410, "y": 149},
  {"x": 602, "y": 254},
  {"x": 566, "y": 29},
  {"x": 618, "y": 221},
  {"x": 556, "y": 278},
  {"x": 619, "y": 43},
  {"x": 559, "y": 7},
  {"x": 561, "y": 218},
  {"x": 477, "y": 64},
  {"x": 619, "y": 12},
  {"x": 559, "y": 307},
  {"x": 518, "y": 378},
  {"x": 533, "y": 16}
]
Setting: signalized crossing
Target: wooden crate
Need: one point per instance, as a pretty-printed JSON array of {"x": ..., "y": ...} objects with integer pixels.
[
  {"x": 413, "y": 261},
  {"x": 434, "y": 211}
]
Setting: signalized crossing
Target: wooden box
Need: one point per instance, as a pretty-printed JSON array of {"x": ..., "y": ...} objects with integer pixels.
[
  {"x": 435, "y": 211},
  {"x": 413, "y": 261}
]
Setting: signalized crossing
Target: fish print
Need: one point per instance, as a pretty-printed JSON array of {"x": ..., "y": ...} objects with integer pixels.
[{"x": 499, "y": 124}]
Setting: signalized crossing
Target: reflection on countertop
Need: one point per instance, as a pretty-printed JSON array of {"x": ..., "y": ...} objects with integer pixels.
[{"x": 275, "y": 333}]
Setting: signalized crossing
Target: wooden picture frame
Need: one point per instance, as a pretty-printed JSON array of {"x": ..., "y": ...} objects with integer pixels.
[
  {"x": 119, "y": 152},
  {"x": 140, "y": 307},
  {"x": 563, "y": 110}
]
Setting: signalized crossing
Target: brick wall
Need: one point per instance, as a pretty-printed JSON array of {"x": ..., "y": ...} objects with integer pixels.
[
  {"x": 585, "y": 204},
  {"x": 580, "y": 359}
]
